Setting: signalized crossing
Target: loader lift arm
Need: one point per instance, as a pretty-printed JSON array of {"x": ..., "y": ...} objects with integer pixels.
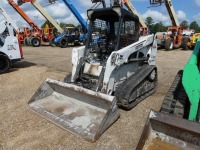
[
  {"x": 3, "y": 12},
  {"x": 22, "y": 13},
  {"x": 43, "y": 12},
  {"x": 170, "y": 10}
]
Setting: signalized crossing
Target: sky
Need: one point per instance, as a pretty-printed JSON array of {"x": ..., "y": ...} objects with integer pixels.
[{"x": 185, "y": 10}]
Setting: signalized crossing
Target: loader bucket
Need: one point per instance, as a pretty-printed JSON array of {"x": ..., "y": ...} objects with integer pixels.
[
  {"x": 78, "y": 110},
  {"x": 165, "y": 132}
]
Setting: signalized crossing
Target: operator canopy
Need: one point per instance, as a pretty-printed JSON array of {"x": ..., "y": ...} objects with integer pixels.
[{"x": 111, "y": 14}]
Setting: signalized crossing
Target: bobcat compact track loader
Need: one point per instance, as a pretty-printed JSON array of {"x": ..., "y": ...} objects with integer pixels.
[{"x": 117, "y": 70}]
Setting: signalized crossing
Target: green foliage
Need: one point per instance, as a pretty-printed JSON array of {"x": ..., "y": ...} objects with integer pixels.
[
  {"x": 194, "y": 25},
  {"x": 184, "y": 24},
  {"x": 155, "y": 27},
  {"x": 45, "y": 23},
  {"x": 78, "y": 26},
  {"x": 149, "y": 21},
  {"x": 62, "y": 24},
  {"x": 159, "y": 27}
]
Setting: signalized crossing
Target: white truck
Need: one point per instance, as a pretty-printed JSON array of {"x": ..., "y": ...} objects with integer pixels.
[{"x": 10, "y": 48}]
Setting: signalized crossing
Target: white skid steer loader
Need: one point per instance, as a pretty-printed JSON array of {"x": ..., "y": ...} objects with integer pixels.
[
  {"x": 116, "y": 70},
  {"x": 10, "y": 48}
]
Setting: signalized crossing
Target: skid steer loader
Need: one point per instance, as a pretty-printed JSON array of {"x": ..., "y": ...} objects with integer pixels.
[
  {"x": 118, "y": 70},
  {"x": 10, "y": 47},
  {"x": 177, "y": 125}
]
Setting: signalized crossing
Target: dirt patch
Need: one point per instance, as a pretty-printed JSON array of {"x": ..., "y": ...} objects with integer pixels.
[{"x": 20, "y": 128}]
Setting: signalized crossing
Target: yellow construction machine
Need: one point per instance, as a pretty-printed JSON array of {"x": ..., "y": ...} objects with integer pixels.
[{"x": 190, "y": 42}]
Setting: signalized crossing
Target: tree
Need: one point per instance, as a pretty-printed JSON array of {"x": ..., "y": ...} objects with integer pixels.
[
  {"x": 149, "y": 21},
  {"x": 194, "y": 25},
  {"x": 158, "y": 27},
  {"x": 62, "y": 24},
  {"x": 184, "y": 24},
  {"x": 47, "y": 23}
]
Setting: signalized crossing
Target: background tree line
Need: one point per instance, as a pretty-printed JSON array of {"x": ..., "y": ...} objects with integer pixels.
[
  {"x": 159, "y": 27},
  {"x": 153, "y": 27}
]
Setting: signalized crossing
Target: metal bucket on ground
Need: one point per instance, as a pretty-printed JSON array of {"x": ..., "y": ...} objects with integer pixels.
[
  {"x": 164, "y": 132},
  {"x": 78, "y": 110}
]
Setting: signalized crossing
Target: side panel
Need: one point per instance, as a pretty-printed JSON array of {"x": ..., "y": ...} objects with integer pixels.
[
  {"x": 120, "y": 57},
  {"x": 191, "y": 81},
  {"x": 11, "y": 47},
  {"x": 77, "y": 54}
]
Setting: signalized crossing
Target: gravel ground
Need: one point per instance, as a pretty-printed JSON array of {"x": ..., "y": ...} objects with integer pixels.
[{"x": 21, "y": 129}]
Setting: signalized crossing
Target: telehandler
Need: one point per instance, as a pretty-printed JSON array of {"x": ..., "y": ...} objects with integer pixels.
[
  {"x": 174, "y": 35},
  {"x": 38, "y": 36},
  {"x": 118, "y": 70}
]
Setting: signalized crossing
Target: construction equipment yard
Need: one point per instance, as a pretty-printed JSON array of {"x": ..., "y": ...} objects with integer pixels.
[{"x": 20, "y": 128}]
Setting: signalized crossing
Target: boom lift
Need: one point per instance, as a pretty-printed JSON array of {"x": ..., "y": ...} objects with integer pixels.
[
  {"x": 174, "y": 35},
  {"x": 10, "y": 48},
  {"x": 71, "y": 36},
  {"x": 38, "y": 36},
  {"x": 119, "y": 69},
  {"x": 43, "y": 12}
]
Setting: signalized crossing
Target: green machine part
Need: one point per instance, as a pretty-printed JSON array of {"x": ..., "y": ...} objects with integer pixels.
[{"x": 191, "y": 82}]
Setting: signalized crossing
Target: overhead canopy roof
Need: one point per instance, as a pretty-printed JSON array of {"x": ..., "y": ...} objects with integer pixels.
[{"x": 111, "y": 14}]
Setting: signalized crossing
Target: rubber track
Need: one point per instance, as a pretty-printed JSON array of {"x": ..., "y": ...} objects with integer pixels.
[
  {"x": 122, "y": 94},
  {"x": 176, "y": 100},
  {"x": 145, "y": 95}
]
